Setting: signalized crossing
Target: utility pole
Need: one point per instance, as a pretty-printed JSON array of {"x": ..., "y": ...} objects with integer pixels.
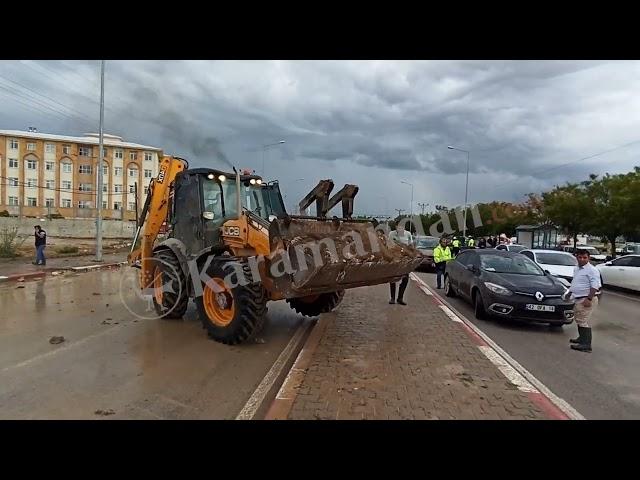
[
  {"x": 399, "y": 210},
  {"x": 99, "y": 172},
  {"x": 422, "y": 206}
]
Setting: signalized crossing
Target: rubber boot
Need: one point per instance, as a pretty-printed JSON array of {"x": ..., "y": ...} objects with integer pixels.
[
  {"x": 392, "y": 287},
  {"x": 585, "y": 344},
  {"x": 580, "y": 335}
]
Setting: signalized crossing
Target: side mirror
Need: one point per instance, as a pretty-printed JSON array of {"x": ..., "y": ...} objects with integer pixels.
[
  {"x": 609, "y": 264},
  {"x": 471, "y": 268},
  {"x": 547, "y": 272},
  {"x": 208, "y": 215}
]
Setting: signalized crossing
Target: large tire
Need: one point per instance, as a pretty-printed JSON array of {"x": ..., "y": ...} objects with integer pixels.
[
  {"x": 231, "y": 315},
  {"x": 314, "y": 306},
  {"x": 171, "y": 293}
]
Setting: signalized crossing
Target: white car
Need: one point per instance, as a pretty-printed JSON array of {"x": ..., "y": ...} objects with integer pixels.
[
  {"x": 560, "y": 264},
  {"x": 512, "y": 247},
  {"x": 594, "y": 253},
  {"x": 622, "y": 272}
]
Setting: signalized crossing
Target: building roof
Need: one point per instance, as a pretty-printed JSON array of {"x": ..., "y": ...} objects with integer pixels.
[{"x": 87, "y": 139}]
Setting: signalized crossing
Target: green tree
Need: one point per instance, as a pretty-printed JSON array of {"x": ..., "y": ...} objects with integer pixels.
[{"x": 570, "y": 207}]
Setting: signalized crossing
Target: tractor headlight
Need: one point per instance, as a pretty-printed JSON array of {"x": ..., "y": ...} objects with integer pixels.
[
  {"x": 222, "y": 178},
  {"x": 211, "y": 176},
  {"x": 495, "y": 288},
  {"x": 259, "y": 181},
  {"x": 252, "y": 181}
]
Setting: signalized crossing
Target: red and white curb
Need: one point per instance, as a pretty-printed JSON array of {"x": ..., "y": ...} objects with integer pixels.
[{"x": 554, "y": 406}]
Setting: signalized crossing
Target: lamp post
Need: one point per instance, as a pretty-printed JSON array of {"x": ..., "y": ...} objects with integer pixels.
[
  {"x": 411, "y": 185},
  {"x": 466, "y": 190},
  {"x": 99, "y": 172},
  {"x": 264, "y": 149}
]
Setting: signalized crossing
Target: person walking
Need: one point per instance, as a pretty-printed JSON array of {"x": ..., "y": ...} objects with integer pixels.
[
  {"x": 401, "y": 236},
  {"x": 455, "y": 244},
  {"x": 441, "y": 255},
  {"x": 585, "y": 290},
  {"x": 41, "y": 243}
]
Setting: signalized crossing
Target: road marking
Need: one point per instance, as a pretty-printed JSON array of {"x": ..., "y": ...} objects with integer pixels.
[
  {"x": 557, "y": 402},
  {"x": 450, "y": 314},
  {"x": 249, "y": 410},
  {"x": 507, "y": 370},
  {"x": 423, "y": 286}
]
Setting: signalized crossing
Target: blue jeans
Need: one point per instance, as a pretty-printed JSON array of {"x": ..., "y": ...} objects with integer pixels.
[
  {"x": 440, "y": 268},
  {"x": 40, "y": 254}
]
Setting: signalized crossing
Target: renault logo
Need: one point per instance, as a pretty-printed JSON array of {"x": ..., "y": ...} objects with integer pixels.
[{"x": 539, "y": 296}]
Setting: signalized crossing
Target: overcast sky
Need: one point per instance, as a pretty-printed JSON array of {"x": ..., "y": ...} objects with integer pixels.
[{"x": 372, "y": 123}]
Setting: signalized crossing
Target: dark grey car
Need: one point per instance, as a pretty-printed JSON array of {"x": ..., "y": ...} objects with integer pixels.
[{"x": 507, "y": 285}]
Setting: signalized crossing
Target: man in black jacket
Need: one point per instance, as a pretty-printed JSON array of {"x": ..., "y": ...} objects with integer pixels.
[{"x": 41, "y": 243}]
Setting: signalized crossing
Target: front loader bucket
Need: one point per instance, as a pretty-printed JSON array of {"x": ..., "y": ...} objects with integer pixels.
[{"x": 314, "y": 256}]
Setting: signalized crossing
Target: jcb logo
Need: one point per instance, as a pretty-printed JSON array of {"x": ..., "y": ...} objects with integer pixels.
[
  {"x": 163, "y": 172},
  {"x": 231, "y": 231}
]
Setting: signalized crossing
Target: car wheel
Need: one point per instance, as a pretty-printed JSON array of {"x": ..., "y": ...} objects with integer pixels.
[
  {"x": 448, "y": 288},
  {"x": 479, "y": 310}
]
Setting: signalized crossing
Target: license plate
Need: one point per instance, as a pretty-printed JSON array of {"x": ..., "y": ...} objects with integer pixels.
[{"x": 541, "y": 308}]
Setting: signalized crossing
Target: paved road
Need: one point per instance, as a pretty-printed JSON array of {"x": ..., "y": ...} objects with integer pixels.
[
  {"x": 113, "y": 360},
  {"x": 602, "y": 385}
]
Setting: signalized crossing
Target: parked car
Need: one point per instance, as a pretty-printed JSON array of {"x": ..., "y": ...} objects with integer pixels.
[
  {"x": 426, "y": 246},
  {"x": 594, "y": 253},
  {"x": 560, "y": 264},
  {"x": 630, "y": 249},
  {"x": 622, "y": 272},
  {"x": 507, "y": 285},
  {"x": 514, "y": 247}
]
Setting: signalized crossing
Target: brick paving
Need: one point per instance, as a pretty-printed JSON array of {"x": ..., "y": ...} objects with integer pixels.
[{"x": 381, "y": 361}]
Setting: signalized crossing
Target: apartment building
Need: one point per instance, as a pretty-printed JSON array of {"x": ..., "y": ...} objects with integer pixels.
[{"x": 44, "y": 174}]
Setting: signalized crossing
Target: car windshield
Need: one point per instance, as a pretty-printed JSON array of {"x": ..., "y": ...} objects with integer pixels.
[
  {"x": 556, "y": 259},
  {"x": 516, "y": 248},
  {"x": 517, "y": 264},
  {"x": 427, "y": 242}
]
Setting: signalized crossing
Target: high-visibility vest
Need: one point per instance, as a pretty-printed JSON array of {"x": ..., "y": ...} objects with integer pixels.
[
  {"x": 456, "y": 243},
  {"x": 472, "y": 242},
  {"x": 441, "y": 254}
]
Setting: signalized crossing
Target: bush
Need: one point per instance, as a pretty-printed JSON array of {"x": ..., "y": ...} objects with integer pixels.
[
  {"x": 4, "y": 213},
  {"x": 67, "y": 249},
  {"x": 9, "y": 242}
]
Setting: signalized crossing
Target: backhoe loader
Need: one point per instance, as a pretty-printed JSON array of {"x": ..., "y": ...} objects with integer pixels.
[{"x": 231, "y": 246}]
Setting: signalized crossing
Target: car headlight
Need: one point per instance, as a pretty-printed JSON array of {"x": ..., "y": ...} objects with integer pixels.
[
  {"x": 497, "y": 289},
  {"x": 564, "y": 282}
]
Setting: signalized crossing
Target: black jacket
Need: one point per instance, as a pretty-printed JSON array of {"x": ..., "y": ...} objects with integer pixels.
[{"x": 41, "y": 238}]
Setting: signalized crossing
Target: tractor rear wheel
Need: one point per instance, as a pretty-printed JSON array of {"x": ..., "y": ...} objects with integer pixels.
[{"x": 170, "y": 289}]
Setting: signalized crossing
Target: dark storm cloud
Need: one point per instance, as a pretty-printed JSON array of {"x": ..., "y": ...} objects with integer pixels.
[{"x": 364, "y": 121}]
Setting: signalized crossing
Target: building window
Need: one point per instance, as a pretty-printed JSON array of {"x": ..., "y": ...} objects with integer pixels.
[
  {"x": 117, "y": 154},
  {"x": 104, "y": 151},
  {"x": 148, "y": 156},
  {"x": 66, "y": 203},
  {"x": 49, "y": 166},
  {"x": 66, "y": 185},
  {"x": 66, "y": 149},
  {"x": 133, "y": 172},
  {"x": 49, "y": 202},
  {"x": 117, "y": 171},
  {"x": 85, "y": 168},
  {"x": 104, "y": 205},
  {"x": 50, "y": 184},
  {"x": 84, "y": 151},
  {"x": 31, "y": 146},
  {"x": 50, "y": 147},
  {"x": 117, "y": 188},
  {"x": 13, "y": 163},
  {"x": 85, "y": 187},
  {"x": 146, "y": 190},
  {"x": 148, "y": 173},
  {"x": 104, "y": 188},
  {"x": 117, "y": 205},
  {"x": 32, "y": 201},
  {"x": 66, "y": 168},
  {"x": 132, "y": 206},
  {"x": 13, "y": 144},
  {"x": 13, "y": 201},
  {"x": 132, "y": 189},
  {"x": 13, "y": 182},
  {"x": 32, "y": 182},
  {"x": 84, "y": 204},
  {"x": 32, "y": 164},
  {"x": 133, "y": 156}
]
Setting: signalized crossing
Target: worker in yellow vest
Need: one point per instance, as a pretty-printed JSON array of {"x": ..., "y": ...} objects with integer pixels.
[
  {"x": 471, "y": 243},
  {"x": 441, "y": 255},
  {"x": 455, "y": 244}
]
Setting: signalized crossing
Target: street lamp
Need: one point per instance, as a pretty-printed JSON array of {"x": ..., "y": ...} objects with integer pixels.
[
  {"x": 466, "y": 190},
  {"x": 264, "y": 149},
  {"x": 411, "y": 185}
]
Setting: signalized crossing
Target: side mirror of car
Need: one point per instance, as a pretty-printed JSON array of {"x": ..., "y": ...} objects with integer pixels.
[
  {"x": 608, "y": 264},
  {"x": 471, "y": 268},
  {"x": 547, "y": 272}
]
